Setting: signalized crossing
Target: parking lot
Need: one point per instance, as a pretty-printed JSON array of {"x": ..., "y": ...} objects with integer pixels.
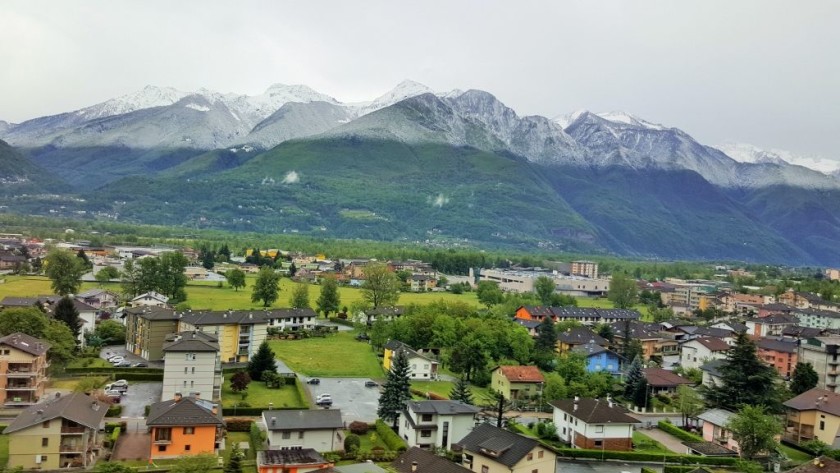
[
  {"x": 120, "y": 350},
  {"x": 139, "y": 396},
  {"x": 356, "y": 401}
]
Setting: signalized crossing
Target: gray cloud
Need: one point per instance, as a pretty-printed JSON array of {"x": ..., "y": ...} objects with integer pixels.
[{"x": 764, "y": 72}]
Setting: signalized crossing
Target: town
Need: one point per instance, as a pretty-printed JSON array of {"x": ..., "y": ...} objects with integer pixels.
[{"x": 117, "y": 358}]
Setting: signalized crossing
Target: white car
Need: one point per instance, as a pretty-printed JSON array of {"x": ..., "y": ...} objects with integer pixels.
[
  {"x": 115, "y": 357},
  {"x": 120, "y": 382},
  {"x": 116, "y": 361}
]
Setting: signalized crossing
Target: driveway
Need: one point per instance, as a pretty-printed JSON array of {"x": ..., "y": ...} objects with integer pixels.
[
  {"x": 356, "y": 401},
  {"x": 667, "y": 440},
  {"x": 139, "y": 396}
]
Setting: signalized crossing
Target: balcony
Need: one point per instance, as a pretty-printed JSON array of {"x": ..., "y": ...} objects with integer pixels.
[
  {"x": 72, "y": 448},
  {"x": 73, "y": 430},
  {"x": 19, "y": 401}
]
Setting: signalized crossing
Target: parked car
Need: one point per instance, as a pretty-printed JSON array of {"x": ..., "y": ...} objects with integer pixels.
[
  {"x": 313, "y": 381},
  {"x": 113, "y": 388},
  {"x": 120, "y": 382},
  {"x": 139, "y": 365},
  {"x": 123, "y": 364},
  {"x": 324, "y": 400},
  {"x": 115, "y": 396},
  {"x": 116, "y": 358},
  {"x": 370, "y": 384},
  {"x": 362, "y": 337}
]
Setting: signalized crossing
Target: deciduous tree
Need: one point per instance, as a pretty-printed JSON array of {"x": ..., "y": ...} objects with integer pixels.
[
  {"x": 106, "y": 274},
  {"x": 488, "y": 293},
  {"x": 804, "y": 378},
  {"x": 544, "y": 287},
  {"x": 329, "y": 299},
  {"x": 300, "y": 297},
  {"x": 755, "y": 431},
  {"x": 267, "y": 287},
  {"x": 622, "y": 291},
  {"x": 236, "y": 278},
  {"x": 65, "y": 271},
  {"x": 381, "y": 286},
  {"x": 239, "y": 381}
]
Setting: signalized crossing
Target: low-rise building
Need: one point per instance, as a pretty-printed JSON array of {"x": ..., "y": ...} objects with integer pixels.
[
  {"x": 23, "y": 369},
  {"x": 695, "y": 352},
  {"x": 517, "y": 382},
  {"x": 570, "y": 338},
  {"x": 421, "y": 365},
  {"x": 780, "y": 353},
  {"x": 436, "y": 424},
  {"x": 240, "y": 332},
  {"x": 291, "y": 460},
  {"x": 772, "y": 325},
  {"x": 593, "y": 424},
  {"x": 715, "y": 430},
  {"x": 152, "y": 298},
  {"x": 62, "y": 432},
  {"x": 489, "y": 449},
  {"x": 192, "y": 366},
  {"x": 184, "y": 425},
  {"x": 599, "y": 358},
  {"x": 417, "y": 460},
  {"x": 813, "y": 415},
  {"x": 320, "y": 429},
  {"x": 292, "y": 319},
  {"x": 664, "y": 382}
]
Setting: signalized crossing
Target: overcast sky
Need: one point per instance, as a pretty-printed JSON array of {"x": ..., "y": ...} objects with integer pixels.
[{"x": 763, "y": 72}]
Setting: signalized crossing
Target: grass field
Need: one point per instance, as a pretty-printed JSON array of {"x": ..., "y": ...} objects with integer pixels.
[
  {"x": 332, "y": 356},
  {"x": 795, "y": 456},
  {"x": 89, "y": 363},
  {"x": 260, "y": 396},
  {"x": 71, "y": 383},
  {"x": 368, "y": 441},
  {"x": 4, "y": 449},
  {"x": 646, "y": 444},
  {"x": 443, "y": 388}
]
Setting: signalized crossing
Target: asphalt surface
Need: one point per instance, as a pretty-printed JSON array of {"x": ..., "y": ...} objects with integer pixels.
[
  {"x": 356, "y": 401},
  {"x": 120, "y": 350},
  {"x": 139, "y": 396},
  {"x": 602, "y": 467}
]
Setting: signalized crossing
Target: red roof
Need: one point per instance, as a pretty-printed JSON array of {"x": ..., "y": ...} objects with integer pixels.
[
  {"x": 522, "y": 374},
  {"x": 657, "y": 377}
]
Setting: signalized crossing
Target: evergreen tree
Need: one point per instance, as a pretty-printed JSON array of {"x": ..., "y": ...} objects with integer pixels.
[
  {"x": 234, "y": 463},
  {"x": 328, "y": 300},
  {"x": 745, "y": 380},
  {"x": 267, "y": 287},
  {"x": 300, "y": 297},
  {"x": 461, "y": 391},
  {"x": 545, "y": 344},
  {"x": 65, "y": 311},
  {"x": 292, "y": 270},
  {"x": 263, "y": 360},
  {"x": 396, "y": 391},
  {"x": 641, "y": 394},
  {"x": 84, "y": 258},
  {"x": 634, "y": 377},
  {"x": 804, "y": 378}
]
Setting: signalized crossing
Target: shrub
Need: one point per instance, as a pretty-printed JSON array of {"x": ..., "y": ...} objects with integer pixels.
[
  {"x": 391, "y": 439},
  {"x": 237, "y": 424},
  {"x": 359, "y": 428},
  {"x": 645, "y": 456},
  {"x": 678, "y": 432},
  {"x": 256, "y": 437},
  {"x": 114, "y": 411},
  {"x": 352, "y": 443},
  {"x": 110, "y": 426}
]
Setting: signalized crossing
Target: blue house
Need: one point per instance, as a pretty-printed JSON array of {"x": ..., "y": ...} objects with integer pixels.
[{"x": 599, "y": 358}]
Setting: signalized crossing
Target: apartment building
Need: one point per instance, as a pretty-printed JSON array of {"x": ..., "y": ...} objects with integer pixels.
[
  {"x": 192, "y": 366},
  {"x": 23, "y": 369},
  {"x": 436, "y": 424},
  {"x": 822, "y": 353}
]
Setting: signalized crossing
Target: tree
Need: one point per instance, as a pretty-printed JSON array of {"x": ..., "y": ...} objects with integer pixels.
[
  {"x": 292, "y": 270},
  {"x": 234, "y": 463},
  {"x": 110, "y": 332},
  {"x": 61, "y": 340},
  {"x": 634, "y": 379},
  {"x": 130, "y": 278},
  {"x": 84, "y": 258},
  {"x": 329, "y": 300},
  {"x": 555, "y": 387},
  {"x": 236, "y": 278},
  {"x": 271, "y": 379},
  {"x": 381, "y": 287},
  {"x": 267, "y": 287},
  {"x": 468, "y": 356},
  {"x": 660, "y": 314},
  {"x": 65, "y": 271},
  {"x": 106, "y": 274},
  {"x": 239, "y": 381},
  {"x": 632, "y": 349},
  {"x": 201, "y": 463},
  {"x": 489, "y": 293},
  {"x": 461, "y": 391},
  {"x": 29, "y": 320},
  {"x": 112, "y": 467},
  {"x": 545, "y": 344},
  {"x": 755, "y": 431},
  {"x": 65, "y": 311},
  {"x": 745, "y": 380},
  {"x": 300, "y": 297},
  {"x": 804, "y": 378},
  {"x": 396, "y": 391},
  {"x": 689, "y": 403},
  {"x": 605, "y": 331},
  {"x": 171, "y": 277},
  {"x": 622, "y": 291},
  {"x": 544, "y": 286},
  {"x": 263, "y": 360}
]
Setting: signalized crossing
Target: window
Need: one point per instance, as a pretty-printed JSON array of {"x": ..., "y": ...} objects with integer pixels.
[
  {"x": 193, "y": 370},
  {"x": 425, "y": 433},
  {"x": 46, "y": 424},
  {"x": 189, "y": 430},
  {"x": 287, "y": 435},
  {"x": 300, "y": 434},
  {"x": 485, "y": 469},
  {"x": 599, "y": 429},
  {"x": 187, "y": 448},
  {"x": 5, "y": 351},
  {"x": 599, "y": 443},
  {"x": 540, "y": 453},
  {"x": 535, "y": 470},
  {"x": 427, "y": 417},
  {"x": 190, "y": 356},
  {"x": 530, "y": 456},
  {"x": 822, "y": 425},
  {"x": 185, "y": 370},
  {"x": 163, "y": 435},
  {"x": 161, "y": 448},
  {"x": 192, "y": 383},
  {"x": 45, "y": 442}
]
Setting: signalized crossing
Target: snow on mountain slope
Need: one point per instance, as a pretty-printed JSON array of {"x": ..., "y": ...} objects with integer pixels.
[
  {"x": 628, "y": 119},
  {"x": 403, "y": 90},
  {"x": 747, "y": 153}
]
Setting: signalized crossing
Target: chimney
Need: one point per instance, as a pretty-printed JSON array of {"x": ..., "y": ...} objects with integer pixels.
[
  {"x": 177, "y": 397},
  {"x": 414, "y": 466},
  {"x": 215, "y": 409},
  {"x": 273, "y": 421}
]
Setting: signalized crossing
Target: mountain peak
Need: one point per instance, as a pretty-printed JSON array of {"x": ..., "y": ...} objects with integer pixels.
[
  {"x": 748, "y": 153},
  {"x": 565, "y": 120},
  {"x": 625, "y": 118}
]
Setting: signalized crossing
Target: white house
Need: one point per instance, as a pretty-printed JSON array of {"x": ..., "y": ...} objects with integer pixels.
[
  {"x": 593, "y": 424},
  {"x": 695, "y": 352},
  {"x": 319, "y": 429},
  {"x": 292, "y": 319},
  {"x": 440, "y": 424},
  {"x": 151, "y": 298},
  {"x": 191, "y": 365},
  {"x": 421, "y": 366}
]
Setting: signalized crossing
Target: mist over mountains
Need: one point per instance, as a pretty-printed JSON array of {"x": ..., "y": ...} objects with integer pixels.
[{"x": 447, "y": 168}]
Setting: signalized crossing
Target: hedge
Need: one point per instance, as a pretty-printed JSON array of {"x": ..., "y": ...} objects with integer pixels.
[
  {"x": 389, "y": 437},
  {"x": 114, "y": 411},
  {"x": 677, "y": 469},
  {"x": 429, "y": 395},
  {"x": 110, "y": 370},
  {"x": 142, "y": 376},
  {"x": 236, "y": 424},
  {"x": 110, "y": 426},
  {"x": 678, "y": 432},
  {"x": 256, "y": 437},
  {"x": 302, "y": 393},
  {"x": 645, "y": 456},
  {"x": 648, "y": 470}
]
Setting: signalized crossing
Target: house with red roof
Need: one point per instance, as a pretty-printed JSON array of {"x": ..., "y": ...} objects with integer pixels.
[{"x": 518, "y": 382}]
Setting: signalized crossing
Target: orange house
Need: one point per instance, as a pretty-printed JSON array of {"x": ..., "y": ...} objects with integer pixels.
[
  {"x": 536, "y": 313},
  {"x": 184, "y": 426},
  {"x": 778, "y": 353}
]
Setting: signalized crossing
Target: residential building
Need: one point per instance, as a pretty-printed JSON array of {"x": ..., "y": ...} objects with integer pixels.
[
  {"x": 534, "y": 313},
  {"x": 290, "y": 460},
  {"x": 62, "y": 432},
  {"x": 688, "y": 297},
  {"x": 712, "y": 375},
  {"x": 421, "y": 365},
  {"x": 584, "y": 315},
  {"x": 593, "y": 424},
  {"x": 152, "y": 298},
  {"x": 436, "y": 424},
  {"x": 99, "y": 298},
  {"x": 715, "y": 429},
  {"x": 146, "y": 329},
  {"x": 822, "y": 353},
  {"x": 695, "y": 352},
  {"x": 517, "y": 382},
  {"x": 780, "y": 353},
  {"x": 832, "y": 274},
  {"x": 192, "y": 366},
  {"x": 578, "y": 336},
  {"x": 320, "y": 429},
  {"x": 184, "y": 425},
  {"x": 292, "y": 319},
  {"x": 240, "y": 332},
  {"x": 813, "y": 415},
  {"x": 23, "y": 369},
  {"x": 489, "y": 449},
  {"x": 773, "y": 325},
  {"x": 777, "y": 308},
  {"x": 417, "y": 460},
  {"x": 656, "y": 342},
  {"x": 421, "y": 283},
  {"x": 664, "y": 382},
  {"x": 380, "y": 313},
  {"x": 599, "y": 358},
  {"x": 817, "y": 318},
  {"x": 588, "y": 269}
]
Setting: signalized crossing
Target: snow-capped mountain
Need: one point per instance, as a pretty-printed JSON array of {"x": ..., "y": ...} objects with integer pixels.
[
  {"x": 404, "y": 90},
  {"x": 747, "y": 153},
  {"x": 5, "y": 126},
  {"x": 297, "y": 120}
]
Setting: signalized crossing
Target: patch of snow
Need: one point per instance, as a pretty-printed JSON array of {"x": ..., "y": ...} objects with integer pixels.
[
  {"x": 565, "y": 120},
  {"x": 628, "y": 119},
  {"x": 404, "y": 90},
  {"x": 200, "y": 108},
  {"x": 747, "y": 153},
  {"x": 439, "y": 201},
  {"x": 291, "y": 177}
]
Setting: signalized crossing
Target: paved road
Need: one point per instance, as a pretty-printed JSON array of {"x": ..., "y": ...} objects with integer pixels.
[
  {"x": 602, "y": 467},
  {"x": 139, "y": 396},
  {"x": 356, "y": 401}
]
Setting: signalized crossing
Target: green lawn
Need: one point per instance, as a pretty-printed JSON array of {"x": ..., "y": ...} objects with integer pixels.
[
  {"x": 235, "y": 438},
  {"x": 646, "y": 444},
  {"x": 332, "y": 356},
  {"x": 89, "y": 363},
  {"x": 443, "y": 388},
  {"x": 260, "y": 396},
  {"x": 796, "y": 456},
  {"x": 368, "y": 441},
  {"x": 4, "y": 450},
  {"x": 71, "y": 383}
]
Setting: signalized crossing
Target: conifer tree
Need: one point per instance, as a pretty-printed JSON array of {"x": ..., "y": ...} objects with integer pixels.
[
  {"x": 234, "y": 463},
  {"x": 804, "y": 378},
  {"x": 461, "y": 391},
  {"x": 634, "y": 376},
  {"x": 65, "y": 311},
  {"x": 263, "y": 360},
  {"x": 745, "y": 380},
  {"x": 396, "y": 391}
]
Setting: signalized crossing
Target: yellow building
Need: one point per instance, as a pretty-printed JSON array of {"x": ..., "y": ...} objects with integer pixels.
[
  {"x": 240, "y": 332},
  {"x": 517, "y": 382},
  {"x": 814, "y": 414}
]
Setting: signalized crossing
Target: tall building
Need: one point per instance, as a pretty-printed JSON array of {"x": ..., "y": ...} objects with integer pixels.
[
  {"x": 192, "y": 366},
  {"x": 822, "y": 353},
  {"x": 585, "y": 268},
  {"x": 23, "y": 369}
]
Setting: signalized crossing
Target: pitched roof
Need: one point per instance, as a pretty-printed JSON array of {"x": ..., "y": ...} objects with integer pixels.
[
  {"x": 712, "y": 367},
  {"x": 77, "y": 407},
  {"x": 303, "y": 419},
  {"x": 441, "y": 407},
  {"x": 152, "y": 313},
  {"x": 802, "y": 332},
  {"x": 186, "y": 411},
  {"x": 595, "y": 411},
  {"x": 27, "y": 343},
  {"x": 710, "y": 449},
  {"x": 396, "y": 345},
  {"x": 776, "y": 319},
  {"x": 396, "y": 310},
  {"x": 713, "y": 332},
  {"x": 657, "y": 377},
  {"x": 502, "y": 446},
  {"x": 780, "y": 345},
  {"x": 191, "y": 342},
  {"x": 817, "y": 399},
  {"x": 713, "y": 344},
  {"x": 538, "y": 310},
  {"x": 291, "y": 313},
  {"x": 579, "y": 336},
  {"x": 591, "y": 348},
  {"x": 522, "y": 374},
  {"x": 289, "y": 456},
  {"x": 716, "y": 416},
  {"x": 818, "y": 465},
  {"x": 427, "y": 462},
  {"x": 153, "y": 295},
  {"x": 225, "y": 317}
]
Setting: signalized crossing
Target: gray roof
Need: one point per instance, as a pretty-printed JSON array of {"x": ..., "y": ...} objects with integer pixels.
[
  {"x": 580, "y": 336},
  {"x": 10, "y": 301},
  {"x": 441, "y": 407},
  {"x": 303, "y": 419},
  {"x": 595, "y": 411},
  {"x": 289, "y": 456},
  {"x": 223, "y": 317},
  {"x": 395, "y": 345},
  {"x": 590, "y": 348},
  {"x": 191, "y": 342},
  {"x": 484, "y": 436},
  {"x": 186, "y": 411},
  {"x": 716, "y": 416},
  {"x": 778, "y": 344},
  {"x": 710, "y": 449},
  {"x": 77, "y": 407},
  {"x": 152, "y": 313},
  {"x": 713, "y": 367},
  {"x": 291, "y": 313},
  {"x": 427, "y": 462},
  {"x": 26, "y": 343},
  {"x": 396, "y": 310}
]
